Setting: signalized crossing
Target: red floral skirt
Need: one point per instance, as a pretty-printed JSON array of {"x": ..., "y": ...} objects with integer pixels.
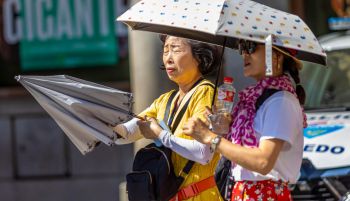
[{"x": 266, "y": 190}]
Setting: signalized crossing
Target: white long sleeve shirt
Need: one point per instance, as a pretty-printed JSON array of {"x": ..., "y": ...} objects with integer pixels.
[{"x": 189, "y": 149}]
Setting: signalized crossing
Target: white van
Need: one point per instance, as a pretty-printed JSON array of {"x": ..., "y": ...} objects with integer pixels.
[{"x": 325, "y": 173}]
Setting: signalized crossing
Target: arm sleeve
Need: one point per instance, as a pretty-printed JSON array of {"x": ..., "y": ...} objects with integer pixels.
[
  {"x": 282, "y": 119},
  {"x": 130, "y": 131},
  {"x": 189, "y": 149}
]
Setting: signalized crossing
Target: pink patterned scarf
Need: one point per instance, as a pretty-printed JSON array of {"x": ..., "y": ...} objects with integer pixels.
[{"x": 241, "y": 131}]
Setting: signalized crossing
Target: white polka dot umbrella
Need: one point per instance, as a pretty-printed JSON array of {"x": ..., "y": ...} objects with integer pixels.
[{"x": 226, "y": 21}]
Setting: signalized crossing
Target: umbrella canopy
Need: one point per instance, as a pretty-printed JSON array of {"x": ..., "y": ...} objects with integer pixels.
[
  {"x": 225, "y": 22},
  {"x": 82, "y": 109}
]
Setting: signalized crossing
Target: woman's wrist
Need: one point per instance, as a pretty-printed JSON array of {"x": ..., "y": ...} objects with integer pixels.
[
  {"x": 163, "y": 134},
  {"x": 158, "y": 132},
  {"x": 208, "y": 137}
]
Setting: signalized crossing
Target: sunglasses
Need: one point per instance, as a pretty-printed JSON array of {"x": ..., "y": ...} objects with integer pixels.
[{"x": 246, "y": 47}]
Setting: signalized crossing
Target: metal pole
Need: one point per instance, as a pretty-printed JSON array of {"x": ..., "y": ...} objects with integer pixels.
[{"x": 332, "y": 188}]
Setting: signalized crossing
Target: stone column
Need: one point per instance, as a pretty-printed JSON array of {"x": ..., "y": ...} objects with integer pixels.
[{"x": 147, "y": 81}]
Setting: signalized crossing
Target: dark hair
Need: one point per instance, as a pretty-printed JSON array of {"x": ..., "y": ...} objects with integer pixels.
[
  {"x": 290, "y": 66},
  {"x": 207, "y": 55}
]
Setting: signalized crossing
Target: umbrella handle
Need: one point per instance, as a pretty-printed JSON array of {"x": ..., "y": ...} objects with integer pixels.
[{"x": 219, "y": 72}]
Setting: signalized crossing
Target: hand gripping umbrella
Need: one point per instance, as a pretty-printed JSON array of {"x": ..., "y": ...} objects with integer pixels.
[{"x": 82, "y": 109}]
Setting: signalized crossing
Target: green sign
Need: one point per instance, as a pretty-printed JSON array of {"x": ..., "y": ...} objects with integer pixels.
[{"x": 65, "y": 33}]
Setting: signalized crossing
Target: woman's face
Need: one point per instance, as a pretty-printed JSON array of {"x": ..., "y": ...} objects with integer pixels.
[
  {"x": 254, "y": 63},
  {"x": 178, "y": 60}
]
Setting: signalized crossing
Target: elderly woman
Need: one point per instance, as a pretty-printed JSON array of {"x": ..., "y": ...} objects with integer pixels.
[
  {"x": 264, "y": 145},
  {"x": 185, "y": 62}
]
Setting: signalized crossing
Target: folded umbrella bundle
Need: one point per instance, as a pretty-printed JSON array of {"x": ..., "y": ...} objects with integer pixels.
[{"x": 82, "y": 109}]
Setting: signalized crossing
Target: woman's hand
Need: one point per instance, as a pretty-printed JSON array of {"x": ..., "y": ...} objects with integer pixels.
[
  {"x": 197, "y": 129},
  {"x": 119, "y": 130},
  {"x": 150, "y": 129}
]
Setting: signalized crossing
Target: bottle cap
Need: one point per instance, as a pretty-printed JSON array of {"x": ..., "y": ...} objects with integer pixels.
[{"x": 228, "y": 80}]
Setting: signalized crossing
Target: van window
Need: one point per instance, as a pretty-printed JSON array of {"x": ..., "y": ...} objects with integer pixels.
[{"x": 328, "y": 87}]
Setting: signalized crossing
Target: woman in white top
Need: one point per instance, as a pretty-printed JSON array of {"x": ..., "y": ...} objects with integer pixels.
[{"x": 265, "y": 146}]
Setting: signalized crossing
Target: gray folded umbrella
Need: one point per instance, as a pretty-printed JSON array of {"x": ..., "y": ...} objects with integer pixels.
[{"x": 82, "y": 109}]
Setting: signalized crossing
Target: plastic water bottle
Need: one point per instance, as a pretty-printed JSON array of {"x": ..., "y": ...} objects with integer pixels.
[
  {"x": 223, "y": 105},
  {"x": 226, "y": 94}
]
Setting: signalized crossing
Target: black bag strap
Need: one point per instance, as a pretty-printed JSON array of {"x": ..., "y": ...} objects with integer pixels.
[
  {"x": 183, "y": 110},
  {"x": 187, "y": 168},
  {"x": 170, "y": 121},
  {"x": 265, "y": 95},
  {"x": 168, "y": 105}
]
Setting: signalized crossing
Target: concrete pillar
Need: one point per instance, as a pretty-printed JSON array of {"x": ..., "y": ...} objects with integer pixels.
[
  {"x": 148, "y": 82},
  {"x": 123, "y": 195},
  {"x": 145, "y": 75}
]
